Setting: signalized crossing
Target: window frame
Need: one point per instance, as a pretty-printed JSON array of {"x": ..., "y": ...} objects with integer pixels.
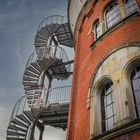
[
  {"x": 134, "y": 10},
  {"x": 105, "y": 15},
  {"x": 133, "y": 73},
  {"x": 97, "y": 29},
  {"x": 104, "y": 106}
]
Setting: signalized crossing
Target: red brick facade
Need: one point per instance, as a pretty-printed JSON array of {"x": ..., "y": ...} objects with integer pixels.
[{"x": 87, "y": 60}]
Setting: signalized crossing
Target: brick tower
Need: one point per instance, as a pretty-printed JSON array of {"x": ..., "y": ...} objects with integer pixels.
[{"x": 105, "y": 96}]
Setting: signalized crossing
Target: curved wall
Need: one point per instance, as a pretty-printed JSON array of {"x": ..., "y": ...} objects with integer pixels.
[
  {"x": 74, "y": 9},
  {"x": 90, "y": 53}
]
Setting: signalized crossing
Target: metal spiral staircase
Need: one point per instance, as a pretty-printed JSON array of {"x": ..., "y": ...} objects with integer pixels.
[{"x": 40, "y": 106}]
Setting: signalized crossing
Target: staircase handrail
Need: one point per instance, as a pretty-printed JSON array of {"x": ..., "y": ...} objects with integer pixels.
[
  {"x": 59, "y": 94},
  {"x": 49, "y": 51},
  {"x": 46, "y": 20}
]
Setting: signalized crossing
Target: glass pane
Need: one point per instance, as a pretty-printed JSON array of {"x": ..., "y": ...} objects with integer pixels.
[
  {"x": 137, "y": 97},
  {"x": 107, "y": 107},
  {"x": 135, "y": 81},
  {"x": 136, "y": 85},
  {"x": 112, "y": 14},
  {"x": 108, "y": 98},
  {"x": 110, "y": 123},
  {"x": 109, "y": 111},
  {"x": 131, "y": 6},
  {"x": 138, "y": 110}
]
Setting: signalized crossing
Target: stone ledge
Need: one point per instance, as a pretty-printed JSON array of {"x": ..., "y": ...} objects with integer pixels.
[{"x": 124, "y": 129}]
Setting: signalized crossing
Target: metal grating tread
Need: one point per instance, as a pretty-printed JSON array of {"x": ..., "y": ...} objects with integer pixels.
[
  {"x": 29, "y": 115},
  {"x": 37, "y": 66},
  {"x": 30, "y": 83},
  {"x": 15, "y": 133},
  {"x": 15, "y": 127},
  {"x": 23, "y": 118},
  {"x": 40, "y": 64},
  {"x": 14, "y": 138},
  {"x": 17, "y": 122},
  {"x": 42, "y": 34},
  {"x": 29, "y": 78},
  {"x": 29, "y": 88},
  {"x": 33, "y": 69},
  {"x": 29, "y": 73}
]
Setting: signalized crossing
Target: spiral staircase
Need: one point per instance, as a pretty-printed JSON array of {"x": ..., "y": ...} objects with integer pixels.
[{"x": 42, "y": 106}]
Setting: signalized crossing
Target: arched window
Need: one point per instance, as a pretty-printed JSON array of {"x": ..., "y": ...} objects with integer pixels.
[
  {"x": 131, "y": 6},
  {"x": 135, "y": 83},
  {"x": 97, "y": 29},
  {"x": 112, "y": 14},
  {"x": 107, "y": 107}
]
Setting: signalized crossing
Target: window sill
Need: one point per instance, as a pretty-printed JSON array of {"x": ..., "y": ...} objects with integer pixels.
[
  {"x": 125, "y": 129},
  {"x": 114, "y": 27}
]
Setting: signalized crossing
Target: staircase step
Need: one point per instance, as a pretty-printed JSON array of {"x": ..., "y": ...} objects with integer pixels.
[
  {"x": 37, "y": 66},
  {"x": 40, "y": 44},
  {"x": 27, "y": 78},
  {"x": 23, "y": 118},
  {"x": 29, "y": 115},
  {"x": 40, "y": 63},
  {"x": 29, "y": 88},
  {"x": 33, "y": 70},
  {"x": 32, "y": 102},
  {"x": 45, "y": 31},
  {"x": 41, "y": 34},
  {"x": 15, "y": 138},
  {"x": 33, "y": 96},
  {"x": 32, "y": 92},
  {"x": 15, "y": 121},
  {"x": 29, "y": 73},
  {"x": 30, "y": 83},
  {"x": 52, "y": 27},
  {"x": 9, "y": 138},
  {"x": 15, "y": 133},
  {"x": 15, "y": 127},
  {"x": 40, "y": 39}
]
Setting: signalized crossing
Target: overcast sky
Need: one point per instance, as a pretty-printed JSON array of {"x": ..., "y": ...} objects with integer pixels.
[{"x": 19, "y": 20}]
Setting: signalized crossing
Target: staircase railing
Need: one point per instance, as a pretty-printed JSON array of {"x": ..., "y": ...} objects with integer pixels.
[
  {"x": 56, "y": 95},
  {"x": 25, "y": 103},
  {"x": 19, "y": 107},
  {"x": 59, "y": 95},
  {"x": 55, "y": 19},
  {"x": 49, "y": 51}
]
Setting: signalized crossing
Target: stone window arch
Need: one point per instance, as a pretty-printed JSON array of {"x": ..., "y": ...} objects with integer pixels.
[{"x": 103, "y": 102}]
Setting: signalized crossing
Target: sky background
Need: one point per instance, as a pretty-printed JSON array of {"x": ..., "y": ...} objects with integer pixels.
[{"x": 19, "y": 20}]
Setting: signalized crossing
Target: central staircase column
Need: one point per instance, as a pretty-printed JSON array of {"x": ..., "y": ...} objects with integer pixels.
[
  {"x": 38, "y": 109},
  {"x": 49, "y": 85},
  {"x": 41, "y": 132}
]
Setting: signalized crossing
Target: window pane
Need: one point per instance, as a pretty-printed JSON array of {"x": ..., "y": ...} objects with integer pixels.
[
  {"x": 138, "y": 109},
  {"x": 131, "y": 6},
  {"x": 135, "y": 83},
  {"x": 109, "y": 111},
  {"x": 97, "y": 29},
  {"x": 137, "y": 95},
  {"x": 107, "y": 102},
  {"x": 112, "y": 14},
  {"x": 110, "y": 123}
]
